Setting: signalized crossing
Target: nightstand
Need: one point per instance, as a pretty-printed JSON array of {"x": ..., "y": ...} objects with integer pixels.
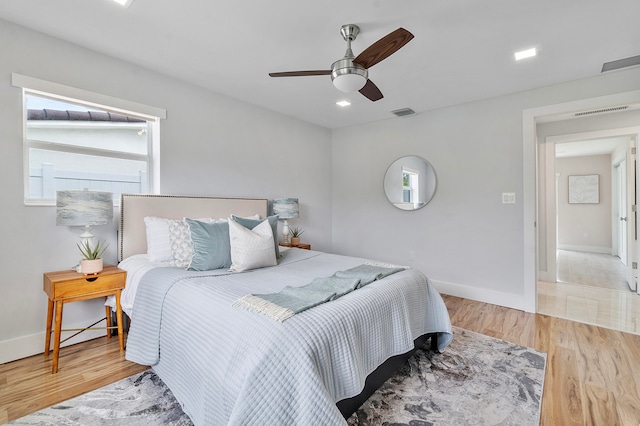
[
  {"x": 300, "y": 246},
  {"x": 70, "y": 286}
]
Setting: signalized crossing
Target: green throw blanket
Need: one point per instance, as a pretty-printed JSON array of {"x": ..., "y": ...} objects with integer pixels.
[{"x": 292, "y": 300}]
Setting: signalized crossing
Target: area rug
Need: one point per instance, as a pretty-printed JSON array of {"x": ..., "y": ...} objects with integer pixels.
[{"x": 478, "y": 380}]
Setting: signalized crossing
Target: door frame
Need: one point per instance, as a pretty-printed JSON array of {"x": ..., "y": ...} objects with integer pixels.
[
  {"x": 551, "y": 177},
  {"x": 530, "y": 117},
  {"x": 620, "y": 225},
  {"x": 632, "y": 223}
]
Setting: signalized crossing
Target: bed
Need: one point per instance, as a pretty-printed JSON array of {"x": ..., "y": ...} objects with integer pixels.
[{"x": 228, "y": 365}]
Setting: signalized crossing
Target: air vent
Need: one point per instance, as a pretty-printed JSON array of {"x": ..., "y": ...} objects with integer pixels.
[
  {"x": 621, "y": 63},
  {"x": 600, "y": 111},
  {"x": 403, "y": 112}
]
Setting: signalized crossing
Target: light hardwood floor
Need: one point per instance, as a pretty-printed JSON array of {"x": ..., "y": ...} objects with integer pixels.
[
  {"x": 592, "y": 376},
  {"x": 27, "y": 385}
]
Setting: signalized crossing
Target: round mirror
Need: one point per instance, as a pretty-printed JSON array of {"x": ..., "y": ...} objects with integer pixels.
[{"x": 410, "y": 183}]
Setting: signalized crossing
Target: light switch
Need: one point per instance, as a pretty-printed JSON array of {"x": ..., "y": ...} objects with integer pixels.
[{"x": 508, "y": 198}]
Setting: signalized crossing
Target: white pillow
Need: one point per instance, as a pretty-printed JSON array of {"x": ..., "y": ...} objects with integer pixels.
[
  {"x": 158, "y": 239},
  {"x": 251, "y": 248}
]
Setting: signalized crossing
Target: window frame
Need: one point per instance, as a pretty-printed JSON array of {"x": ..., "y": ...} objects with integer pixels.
[{"x": 45, "y": 89}]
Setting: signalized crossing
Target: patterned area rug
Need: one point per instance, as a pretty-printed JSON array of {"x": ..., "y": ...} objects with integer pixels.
[{"x": 478, "y": 380}]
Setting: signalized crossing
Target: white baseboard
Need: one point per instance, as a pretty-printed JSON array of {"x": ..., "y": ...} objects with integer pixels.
[
  {"x": 586, "y": 249},
  {"x": 508, "y": 300},
  {"x": 25, "y": 346}
]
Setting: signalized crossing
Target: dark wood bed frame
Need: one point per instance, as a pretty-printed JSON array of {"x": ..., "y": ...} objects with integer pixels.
[
  {"x": 133, "y": 209},
  {"x": 381, "y": 374}
]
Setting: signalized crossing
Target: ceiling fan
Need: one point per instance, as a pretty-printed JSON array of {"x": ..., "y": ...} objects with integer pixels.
[{"x": 351, "y": 73}]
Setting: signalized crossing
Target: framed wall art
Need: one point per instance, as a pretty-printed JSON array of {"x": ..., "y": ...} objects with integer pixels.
[{"x": 584, "y": 189}]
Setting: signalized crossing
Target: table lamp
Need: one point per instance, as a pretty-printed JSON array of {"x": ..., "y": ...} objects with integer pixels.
[
  {"x": 286, "y": 208},
  {"x": 84, "y": 208}
]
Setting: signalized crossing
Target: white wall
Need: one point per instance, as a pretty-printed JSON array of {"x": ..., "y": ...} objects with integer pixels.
[
  {"x": 210, "y": 145},
  {"x": 469, "y": 243},
  {"x": 585, "y": 227}
]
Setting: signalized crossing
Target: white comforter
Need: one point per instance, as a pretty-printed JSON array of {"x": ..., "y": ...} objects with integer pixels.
[
  {"x": 231, "y": 366},
  {"x": 136, "y": 266}
]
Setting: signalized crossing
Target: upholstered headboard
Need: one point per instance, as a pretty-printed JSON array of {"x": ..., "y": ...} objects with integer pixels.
[{"x": 132, "y": 236}]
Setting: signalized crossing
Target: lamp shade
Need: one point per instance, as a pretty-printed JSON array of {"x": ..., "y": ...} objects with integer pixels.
[
  {"x": 349, "y": 82},
  {"x": 84, "y": 208},
  {"x": 286, "y": 208},
  {"x": 348, "y": 76}
]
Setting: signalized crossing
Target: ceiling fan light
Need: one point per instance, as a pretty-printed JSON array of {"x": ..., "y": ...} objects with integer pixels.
[{"x": 349, "y": 82}]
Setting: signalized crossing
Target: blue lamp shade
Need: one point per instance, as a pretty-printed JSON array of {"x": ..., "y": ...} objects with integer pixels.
[
  {"x": 84, "y": 208},
  {"x": 286, "y": 208}
]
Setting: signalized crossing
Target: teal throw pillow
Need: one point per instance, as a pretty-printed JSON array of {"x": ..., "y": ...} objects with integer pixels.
[{"x": 211, "y": 245}]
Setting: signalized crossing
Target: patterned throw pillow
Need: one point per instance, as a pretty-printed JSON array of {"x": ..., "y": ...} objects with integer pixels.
[{"x": 181, "y": 244}]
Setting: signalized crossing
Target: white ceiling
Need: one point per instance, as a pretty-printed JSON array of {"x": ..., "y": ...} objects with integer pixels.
[
  {"x": 591, "y": 147},
  {"x": 462, "y": 50}
]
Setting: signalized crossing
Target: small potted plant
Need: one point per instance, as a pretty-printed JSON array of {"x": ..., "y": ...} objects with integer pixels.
[
  {"x": 91, "y": 262},
  {"x": 295, "y": 235}
]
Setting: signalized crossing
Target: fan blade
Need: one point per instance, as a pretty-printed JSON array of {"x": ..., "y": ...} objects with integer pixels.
[
  {"x": 299, "y": 73},
  {"x": 371, "y": 91},
  {"x": 383, "y": 48}
]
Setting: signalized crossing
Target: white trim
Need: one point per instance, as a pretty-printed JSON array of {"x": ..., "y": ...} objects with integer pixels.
[
  {"x": 76, "y": 149},
  {"x": 550, "y": 208},
  {"x": 596, "y": 134},
  {"x": 530, "y": 207},
  {"x": 529, "y": 152},
  {"x": 71, "y": 93},
  {"x": 509, "y": 300},
  {"x": 33, "y": 344}
]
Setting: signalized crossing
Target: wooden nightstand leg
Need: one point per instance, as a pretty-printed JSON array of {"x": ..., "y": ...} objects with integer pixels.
[
  {"x": 56, "y": 337},
  {"x": 108, "y": 312},
  {"x": 47, "y": 343},
  {"x": 119, "y": 319}
]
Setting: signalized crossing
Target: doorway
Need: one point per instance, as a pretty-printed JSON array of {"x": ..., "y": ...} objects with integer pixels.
[
  {"x": 592, "y": 242},
  {"x": 588, "y": 281},
  {"x": 594, "y": 308}
]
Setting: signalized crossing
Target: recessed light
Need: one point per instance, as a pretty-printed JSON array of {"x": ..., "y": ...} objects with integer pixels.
[
  {"x": 343, "y": 103},
  {"x": 528, "y": 53},
  {"x": 125, "y": 3}
]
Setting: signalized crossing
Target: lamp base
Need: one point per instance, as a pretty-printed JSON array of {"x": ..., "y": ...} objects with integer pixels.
[
  {"x": 285, "y": 232},
  {"x": 86, "y": 236}
]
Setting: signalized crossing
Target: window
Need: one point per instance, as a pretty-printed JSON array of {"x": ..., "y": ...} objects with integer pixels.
[
  {"x": 410, "y": 192},
  {"x": 71, "y": 143}
]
